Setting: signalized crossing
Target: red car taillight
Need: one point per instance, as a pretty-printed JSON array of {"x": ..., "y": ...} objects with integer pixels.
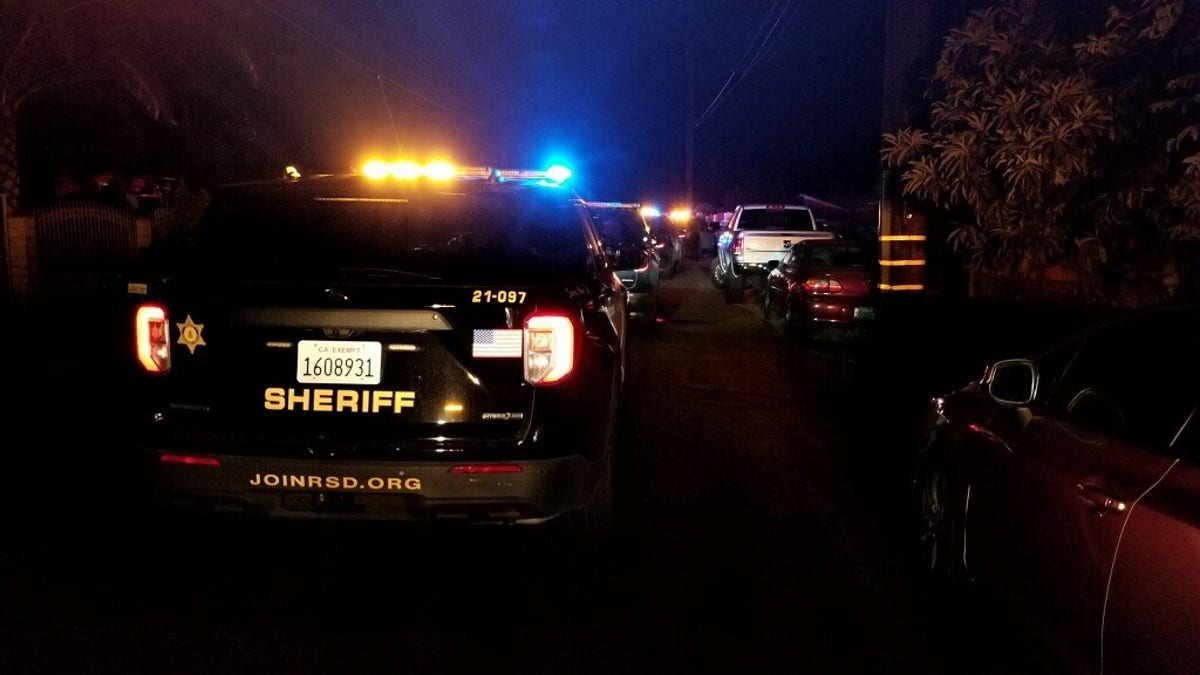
[
  {"x": 737, "y": 244},
  {"x": 822, "y": 286},
  {"x": 549, "y": 348},
  {"x": 153, "y": 335}
]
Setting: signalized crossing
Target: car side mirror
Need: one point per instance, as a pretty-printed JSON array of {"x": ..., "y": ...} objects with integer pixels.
[
  {"x": 772, "y": 264},
  {"x": 1012, "y": 382}
]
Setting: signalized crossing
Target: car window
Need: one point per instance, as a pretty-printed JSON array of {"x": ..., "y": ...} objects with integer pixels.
[
  {"x": 620, "y": 227},
  {"x": 451, "y": 236},
  {"x": 820, "y": 257},
  {"x": 1052, "y": 365},
  {"x": 1137, "y": 380},
  {"x": 847, "y": 256},
  {"x": 776, "y": 219}
]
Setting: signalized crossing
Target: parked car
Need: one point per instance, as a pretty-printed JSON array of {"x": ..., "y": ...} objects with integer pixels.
[
  {"x": 1065, "y": 491},
  {"x": 822, "y": 283},
  {"x": 707, "y": 232},
  {"x": 668, "y": 244},
  {"x": 629, "y": 246}
]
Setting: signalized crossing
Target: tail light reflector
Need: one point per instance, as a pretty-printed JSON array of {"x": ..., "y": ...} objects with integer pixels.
[
  {"x": 737, "y": 245},
  {"x": 190, "y": 460},
  {"x": 485, "y": 468},
  {"x": 153, "y": 335},
  {"x": 549, "y": 348},
  {"x": 822, "y": 286}
]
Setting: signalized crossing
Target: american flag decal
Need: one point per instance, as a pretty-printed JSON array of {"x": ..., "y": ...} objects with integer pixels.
[{"x": 502, "y": 343}]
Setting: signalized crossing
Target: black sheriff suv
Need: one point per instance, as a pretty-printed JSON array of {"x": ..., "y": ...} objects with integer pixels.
[{"x": 393, "y": 344}]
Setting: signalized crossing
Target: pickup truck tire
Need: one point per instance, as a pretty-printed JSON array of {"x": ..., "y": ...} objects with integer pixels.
[
  {"x": 735, "y": 288},
  {"x": 715, "y": 275}
]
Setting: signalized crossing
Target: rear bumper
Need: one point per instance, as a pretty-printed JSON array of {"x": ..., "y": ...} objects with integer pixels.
[
  {"x": 821, "y": 310},
  {"x": 750, "y": 268},
  {"x": 413, "y": 491}
]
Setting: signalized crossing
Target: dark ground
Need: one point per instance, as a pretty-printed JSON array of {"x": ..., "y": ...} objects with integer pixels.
[{"x": 763, "y": 534}]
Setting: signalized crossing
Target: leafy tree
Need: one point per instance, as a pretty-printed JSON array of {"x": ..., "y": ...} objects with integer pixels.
[
  {"x": 169, "y": 56},
  {"x": 1066, "y": 132}
]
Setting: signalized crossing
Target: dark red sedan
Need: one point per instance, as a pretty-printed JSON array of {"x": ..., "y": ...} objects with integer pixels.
[
  {"x": 1065, "y": 491},
  {"x": 821, "y": 283}
]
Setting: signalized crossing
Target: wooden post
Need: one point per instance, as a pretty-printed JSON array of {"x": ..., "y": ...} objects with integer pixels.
[
  {"x": 901, "y": 241},
  {"x": 20, "y": 246}
]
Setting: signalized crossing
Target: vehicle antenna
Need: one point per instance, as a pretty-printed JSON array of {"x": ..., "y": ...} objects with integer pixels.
[{"x": 387, "y": 105}]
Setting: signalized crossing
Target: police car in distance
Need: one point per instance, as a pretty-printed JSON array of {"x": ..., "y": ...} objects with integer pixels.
[{"x": 408, "y": 342}]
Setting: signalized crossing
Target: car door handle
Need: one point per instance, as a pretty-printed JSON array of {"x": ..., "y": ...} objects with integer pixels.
[{"x": 1097, "y": 496}]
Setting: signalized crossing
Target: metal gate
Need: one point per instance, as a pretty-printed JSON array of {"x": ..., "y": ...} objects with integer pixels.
[{"x": 79, "y": 243}]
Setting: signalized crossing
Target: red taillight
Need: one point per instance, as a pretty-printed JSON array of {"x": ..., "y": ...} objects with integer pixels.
[
  {"x": 549, "y": 348},
  {"x": 190, "y": 460},
  {"x": 153, "y": 336},
  {"x": 822, "y": 286},
  {"x": 737, "y": 244},
  {"x": 485, "y": 468}
]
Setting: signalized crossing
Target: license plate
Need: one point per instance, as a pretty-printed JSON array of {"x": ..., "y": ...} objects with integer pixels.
[
  {"x": 338, "y": 362},
  {"x": 864, "y": 312}
]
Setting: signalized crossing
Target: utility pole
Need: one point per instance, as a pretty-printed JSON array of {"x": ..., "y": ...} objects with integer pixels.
[
  {"x": 690, "y": 136},
  {"x": 903, "y": 246}
]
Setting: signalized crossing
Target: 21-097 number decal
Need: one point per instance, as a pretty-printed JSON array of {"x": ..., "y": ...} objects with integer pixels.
[{"x": 516, "y": 297}]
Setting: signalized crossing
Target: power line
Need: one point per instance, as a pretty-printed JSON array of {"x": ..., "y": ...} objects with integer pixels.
[
  {"x": 762, "y": 46},
  {"x": 392, "y": 120},
  {"x": 380, "y": 77}
]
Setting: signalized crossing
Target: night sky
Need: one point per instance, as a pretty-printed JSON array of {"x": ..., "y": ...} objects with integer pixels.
[{"x": 603, "y": 86}]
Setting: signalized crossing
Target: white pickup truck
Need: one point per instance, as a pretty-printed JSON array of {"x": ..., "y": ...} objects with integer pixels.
[{"x": 758, "y": 234}]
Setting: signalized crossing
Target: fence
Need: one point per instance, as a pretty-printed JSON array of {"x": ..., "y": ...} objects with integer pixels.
[
  {"x": 5, "y": 290},
  {"x": 70, "y": 249},
  {"x": 78, "y": 243}
]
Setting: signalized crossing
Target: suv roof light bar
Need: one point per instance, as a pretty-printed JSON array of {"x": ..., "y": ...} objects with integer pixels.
[
  {"x": 613, "y": 205},
  {"x": 440, "y": 170}
]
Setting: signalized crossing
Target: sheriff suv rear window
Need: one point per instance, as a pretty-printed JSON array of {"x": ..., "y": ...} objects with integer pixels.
[
  {"x": 777, "y": 219},
  {"x": 443, "y": 236}
]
